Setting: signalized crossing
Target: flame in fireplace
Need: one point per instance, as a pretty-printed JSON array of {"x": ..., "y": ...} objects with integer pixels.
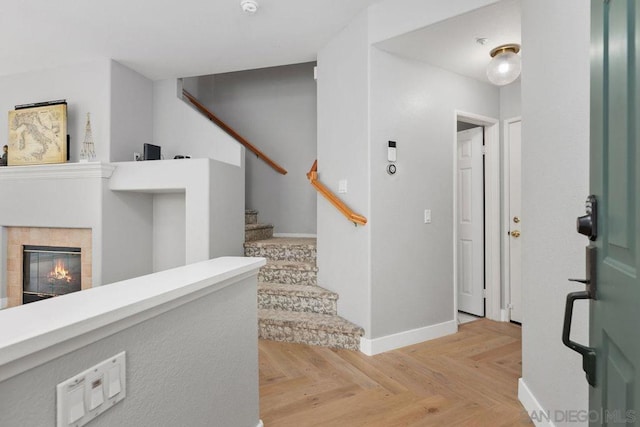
[{"x": 60, "y": 273}]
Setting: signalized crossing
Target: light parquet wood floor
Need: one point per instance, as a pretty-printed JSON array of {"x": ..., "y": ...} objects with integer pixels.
[{"x": 466, "y": 379}]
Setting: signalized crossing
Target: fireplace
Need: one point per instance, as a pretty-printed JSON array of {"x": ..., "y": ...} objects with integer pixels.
[
  {"x": 49, "y": 271},
  {"x": 17, "y": 267}
]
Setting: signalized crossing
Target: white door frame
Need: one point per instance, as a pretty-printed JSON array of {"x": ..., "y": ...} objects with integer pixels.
[
  {"x": 492, "y": 211},
  {"x": 506, "y": 221}
]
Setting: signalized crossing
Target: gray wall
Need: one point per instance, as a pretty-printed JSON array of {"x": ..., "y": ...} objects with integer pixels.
[
  {"x": 344, "y": 258},
  {"x": 414, "y": 104},
  {"x": 555, "y": 152},
  {"x": 275, "y": 109},
  {"x": 196, "y": 365}
]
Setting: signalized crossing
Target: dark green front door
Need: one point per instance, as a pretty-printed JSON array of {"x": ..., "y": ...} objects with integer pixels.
[{"x": 615, "y": 181}]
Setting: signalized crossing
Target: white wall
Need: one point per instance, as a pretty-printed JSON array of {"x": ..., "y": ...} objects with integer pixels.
[
  {"x": 212, "y": 223},
  {"x": 275, "y": 109},
  {"x": 126, "y": 235},
  {"x": 131, "y": 112},
  {"x": 86, "y": 88},
  {"x": 180, "y": 129},
  {"x": 511, "y": 100},
  {"x": 414, "y": 104},
  {"x": 555, "y": 152},
  {"x": 344, "y": 251},
  {"x": 169, "y": 228}
]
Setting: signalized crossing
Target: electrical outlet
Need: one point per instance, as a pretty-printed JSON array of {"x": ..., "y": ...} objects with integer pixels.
[{"x": 137, "y": 157}]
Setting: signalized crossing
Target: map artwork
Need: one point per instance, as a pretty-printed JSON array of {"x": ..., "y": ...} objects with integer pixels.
[{"x": 38, "y": 135}]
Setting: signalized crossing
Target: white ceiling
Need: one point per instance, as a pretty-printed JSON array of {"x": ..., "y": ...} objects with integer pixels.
[
  {"x": 168, "y": 38},
  {"x": 451, "y": 44}
]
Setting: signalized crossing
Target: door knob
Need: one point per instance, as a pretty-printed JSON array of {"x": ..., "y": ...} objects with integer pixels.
[
  {"x": 516, "y": 219},
  {"x": 515, "y": 233}
]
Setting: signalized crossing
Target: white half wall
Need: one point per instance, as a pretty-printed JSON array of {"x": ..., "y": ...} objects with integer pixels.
[
  {"x": 213, "y": 194},
  {"x": 189, "y": 335},
  {"x": 555, "y": 178},
  {"x": 180, "y": 129},
  {"x": 85, "y": 86}
]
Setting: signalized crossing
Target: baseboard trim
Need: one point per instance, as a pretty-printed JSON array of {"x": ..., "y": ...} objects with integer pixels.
[
  {"x": 531, "y": 405},
  {"x": 294, "y": 235},
  {"x": 504, "y": 315},
  {"x": 371, "y": 347}
]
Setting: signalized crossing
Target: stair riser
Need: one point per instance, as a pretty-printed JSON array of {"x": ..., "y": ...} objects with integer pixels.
[
  {"x": 251, "y": 218},
  {"x": 309, "y": 336},
  {"x": 286, "y": 253},
  {"x": 292, "y": 277},
  {"x": 258, "y": 234},
  {"x": 297, "y": 303}
]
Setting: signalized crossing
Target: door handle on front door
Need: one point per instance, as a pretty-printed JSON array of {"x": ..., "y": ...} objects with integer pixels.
[
  {"x": 586, "y": 225},
  {"x": 515, "y": 233}
]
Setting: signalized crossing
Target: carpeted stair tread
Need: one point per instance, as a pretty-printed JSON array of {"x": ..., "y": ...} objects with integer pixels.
[
  {"x": 284, "y": 241},
  {"x": 280, "y": 248},
  {"x": 296, "y": 290},
  {"x": 248, "y": 227},
  {"x": 290, "y": 265},
  {"x": 312, "y": 321}
]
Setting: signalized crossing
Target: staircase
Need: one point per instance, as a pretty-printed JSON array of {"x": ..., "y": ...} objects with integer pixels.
[{"x": 291, "y": 305}]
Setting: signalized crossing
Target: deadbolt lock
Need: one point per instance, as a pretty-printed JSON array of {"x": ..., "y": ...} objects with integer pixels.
[
  {"x": 515, "y": 233},
  {"x": 516, "y": 219}
]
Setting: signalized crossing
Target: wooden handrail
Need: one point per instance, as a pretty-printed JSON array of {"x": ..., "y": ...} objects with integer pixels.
[
  {"x": 337, "y": 203},
  {"x": 231, "y": 132}
]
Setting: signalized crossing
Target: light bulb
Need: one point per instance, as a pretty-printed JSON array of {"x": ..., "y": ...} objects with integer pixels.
[{"x": 504, "y": 67}]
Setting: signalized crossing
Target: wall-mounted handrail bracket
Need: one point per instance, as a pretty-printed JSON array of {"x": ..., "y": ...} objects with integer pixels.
[
  {"x": 312, "y": 175},
  {"x": 232, "y": 133}
]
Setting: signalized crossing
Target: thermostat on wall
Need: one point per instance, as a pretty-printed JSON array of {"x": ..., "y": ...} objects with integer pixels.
[{"x": 391, "y": 151}]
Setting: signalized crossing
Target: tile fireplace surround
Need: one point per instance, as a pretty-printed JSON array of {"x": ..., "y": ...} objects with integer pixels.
[{"x": 17, "y": 237}]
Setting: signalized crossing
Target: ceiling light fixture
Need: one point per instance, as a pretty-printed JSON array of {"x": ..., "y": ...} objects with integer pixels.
[
  {"x": 505, "y": 66},
  {"x": 249, "y": 6}
]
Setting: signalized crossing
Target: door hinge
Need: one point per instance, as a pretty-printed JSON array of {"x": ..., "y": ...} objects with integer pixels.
[
  {"x": 484, "y": 293},
  {"x": 484, "y": 150},
  {"x": 510, "y": 306}
]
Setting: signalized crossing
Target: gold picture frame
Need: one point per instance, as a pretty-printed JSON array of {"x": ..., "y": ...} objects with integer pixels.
[{"x": 38, "y": 135}]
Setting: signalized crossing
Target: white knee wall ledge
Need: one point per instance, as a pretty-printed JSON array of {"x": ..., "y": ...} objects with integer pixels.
[{"x": 34, "y": 334}]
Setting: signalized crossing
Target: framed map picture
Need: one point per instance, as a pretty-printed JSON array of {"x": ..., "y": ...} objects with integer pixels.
[{"x": 38, "y": 135}]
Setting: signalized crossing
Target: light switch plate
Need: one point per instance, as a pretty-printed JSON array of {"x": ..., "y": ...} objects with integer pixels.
[
  {"x": 83, "y": 397},
  {"x": 342, "y": 186},
  {"x": 427, "y": 216}
]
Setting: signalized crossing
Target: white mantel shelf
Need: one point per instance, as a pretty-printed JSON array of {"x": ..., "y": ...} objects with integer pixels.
[{"x": 57, "y": 171}]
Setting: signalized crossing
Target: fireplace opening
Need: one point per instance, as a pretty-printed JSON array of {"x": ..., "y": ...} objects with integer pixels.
[{"x": 49, "y": 271}]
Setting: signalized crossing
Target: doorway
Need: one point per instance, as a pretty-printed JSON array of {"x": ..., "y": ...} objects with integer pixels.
[
  {"x": 486, "y": 292},
  {"x": 512, "y": 223}
]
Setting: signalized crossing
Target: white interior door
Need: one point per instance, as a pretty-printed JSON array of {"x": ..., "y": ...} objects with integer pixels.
[
  {"x": 470, "y": 222},
  {"x": 513, "y": 139}
]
